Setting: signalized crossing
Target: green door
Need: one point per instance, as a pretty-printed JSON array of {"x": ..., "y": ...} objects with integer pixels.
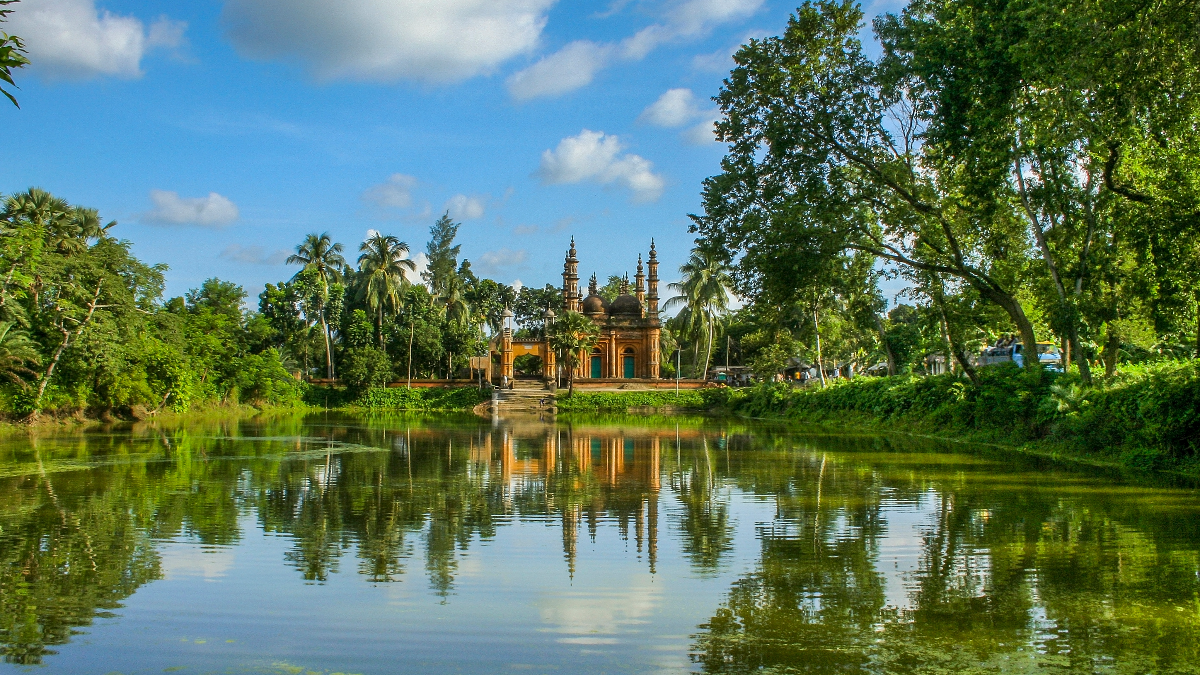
[
  {"x": 596, "y": 366},
  {"x": 629, "y": 367}
]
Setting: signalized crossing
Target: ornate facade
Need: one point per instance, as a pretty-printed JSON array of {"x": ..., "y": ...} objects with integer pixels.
[{"x": 629, "y": 326}]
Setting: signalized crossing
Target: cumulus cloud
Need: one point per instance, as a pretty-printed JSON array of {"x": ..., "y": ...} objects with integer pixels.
[
  {"x": 462, "y": 207},
  {"x": 675, "y": 108},
  {"x": 704, "y": 132},
  {"x": 254, "y": 255},
  {"x": 566, "y": 70},
  {"x": 502, "y": 258},
  {"x": 596, "y": 157},
  {"x": 422, "y": 263},
  {"x": 72, "y": 39},
  {"x": 171, "y": 209},
  {"x": 577, "y": 64},
  {"x": 387, "y": 40},
  {"x": 393, "y": 193}
]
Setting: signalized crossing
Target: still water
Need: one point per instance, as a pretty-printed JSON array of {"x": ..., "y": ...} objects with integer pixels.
[{"x": 329, "y": 544}]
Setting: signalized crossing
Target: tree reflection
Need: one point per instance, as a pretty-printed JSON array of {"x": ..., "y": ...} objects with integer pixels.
[{"x": 1010, "y": 576}]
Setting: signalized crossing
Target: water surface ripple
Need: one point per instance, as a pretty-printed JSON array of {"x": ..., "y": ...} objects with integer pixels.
[{"x": 334, "y": 544}]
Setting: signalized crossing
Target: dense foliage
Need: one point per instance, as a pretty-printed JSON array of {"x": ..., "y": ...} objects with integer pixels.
[
  {"x": 1018, "y": 167},
  {"x": 622, "y": 401},
  {"x": 1148, "y": 417}
]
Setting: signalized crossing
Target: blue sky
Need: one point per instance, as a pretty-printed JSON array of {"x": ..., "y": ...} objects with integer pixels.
[{"x": 219, "y": 133}]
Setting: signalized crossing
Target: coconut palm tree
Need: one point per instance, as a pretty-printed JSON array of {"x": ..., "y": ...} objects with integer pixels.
[
  {"x": 570, "y": 335},
  {"x": 383, "y": 263},
  {"x": 704, "y": 296},
  {"x": 321, "y": 256},
  {"x": 17, "y": 353}
]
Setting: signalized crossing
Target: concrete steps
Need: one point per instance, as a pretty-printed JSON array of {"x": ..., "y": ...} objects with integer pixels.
[{"x": 525, "y": 398}]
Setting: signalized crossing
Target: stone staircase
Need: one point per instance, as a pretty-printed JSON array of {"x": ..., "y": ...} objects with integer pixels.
[{"x": 527, "y": 397}]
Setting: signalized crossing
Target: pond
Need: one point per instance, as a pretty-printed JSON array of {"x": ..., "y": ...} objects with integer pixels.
[{"x": 336, "y": 544}]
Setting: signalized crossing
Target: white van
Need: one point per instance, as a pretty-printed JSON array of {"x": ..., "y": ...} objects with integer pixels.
[{"x": 1013, "y": 350}]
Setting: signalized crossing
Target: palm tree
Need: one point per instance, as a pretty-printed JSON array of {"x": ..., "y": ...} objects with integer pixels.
[
  {"x": 704, "y": 295},
  {"x": 321, "y": 256},
  {"x": 573, "y": 334},
  {"x": 453, "y": 299},
  {"x": 383, "y": 263},
  {"x": 17, "y": 353}
]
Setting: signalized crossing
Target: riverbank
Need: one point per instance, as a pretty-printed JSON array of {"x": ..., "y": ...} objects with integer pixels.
[{"x": 1145, "y": 418}]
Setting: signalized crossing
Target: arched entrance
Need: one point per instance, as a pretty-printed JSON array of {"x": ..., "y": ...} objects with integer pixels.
[{"x": 628, "y": 363}]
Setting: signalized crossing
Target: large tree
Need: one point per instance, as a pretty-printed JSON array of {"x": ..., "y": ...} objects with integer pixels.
[
  {"x": 571, "y": 335},
  {"x": 322, "y": 258},
  {"x": 826, "y": 157}
]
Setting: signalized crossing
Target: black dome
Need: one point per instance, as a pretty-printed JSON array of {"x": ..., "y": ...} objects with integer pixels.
[
  {"x": 594, "y": 304},
  {"x": 627, "y": 305}
]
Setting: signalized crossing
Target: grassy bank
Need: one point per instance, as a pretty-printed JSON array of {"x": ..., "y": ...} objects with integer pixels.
[
  {"x": 591, "y": 402},
  {"x": 1146, "y": 417}
]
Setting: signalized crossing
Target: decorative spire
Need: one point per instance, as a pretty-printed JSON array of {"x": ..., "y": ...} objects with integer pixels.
[
  {"x": 625, "y": 284},
  {"x": 571, "y": 253},
  {"x": 593, "y": 288}
]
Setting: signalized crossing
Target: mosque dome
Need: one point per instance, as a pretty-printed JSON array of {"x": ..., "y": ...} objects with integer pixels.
[
  {"x": 625, "y": 305},
  {"x": 594, "y": 304}
]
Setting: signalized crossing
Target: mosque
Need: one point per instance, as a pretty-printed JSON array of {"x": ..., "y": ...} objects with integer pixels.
[{"x": 630, "y": 328}]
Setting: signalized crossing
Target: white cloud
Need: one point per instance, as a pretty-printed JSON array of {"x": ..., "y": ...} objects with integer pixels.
[
  {"x": 171, "y": 209},
  {"x": 72, "y": 39},
  {"x": 422, "y": 263},
  {"x": 504, "y": 257},
  {"x": 394, "y": 193},
  {"x": 594, "y": 156},
  {"x": 254, "y": 255},
  {"x": 521, "y": 230},
  {"x": 462, "y": 207},
  {"x": 704, "y": 132},
  {"x": 387, "y": 40},
  {"x": 566, "y": 70},
  {"x": 675, "y": 108},
  {"x": 693, "y": 17},
  {"x": 576, "y": 64}
]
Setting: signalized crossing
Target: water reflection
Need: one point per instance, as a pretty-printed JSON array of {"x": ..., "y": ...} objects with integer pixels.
[{"x": 823, "y": 555}]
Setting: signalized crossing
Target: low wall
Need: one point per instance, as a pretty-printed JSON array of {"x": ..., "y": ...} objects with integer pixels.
[
  {"x": 417, "y": 384},
  {"x": 615, "y": 383}
]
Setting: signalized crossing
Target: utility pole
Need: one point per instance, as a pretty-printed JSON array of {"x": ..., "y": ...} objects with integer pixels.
[
  {"x": 677, "y": 351},
  {"x": 728, "y": 378}
]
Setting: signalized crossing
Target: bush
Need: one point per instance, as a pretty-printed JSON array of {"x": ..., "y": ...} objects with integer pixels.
[
  {"x": 1146, "y": 417},
  {"x": 621, "y": 401},
  {"x": 365, "y": 367},
  {"x": 436, "y": 398}
]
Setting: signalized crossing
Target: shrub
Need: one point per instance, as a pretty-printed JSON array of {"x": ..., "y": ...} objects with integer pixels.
[
  {"x": 365, "y": 367},
  {"x": 620, "y": 401}
]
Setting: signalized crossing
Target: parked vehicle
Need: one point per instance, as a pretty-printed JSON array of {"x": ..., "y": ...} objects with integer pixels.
[{"x": 1011, "y": 349}]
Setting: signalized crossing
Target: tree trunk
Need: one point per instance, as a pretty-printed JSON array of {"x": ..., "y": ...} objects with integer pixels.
[
  {"x": 412, "y": 327},
  {"x": 328, "y": 351},
  {"x": 1024, "y": 327},
  {"x": 887, "y": 349},
  {"x": 380, "y": 326},
  {"x": 1112, "y": 349},
  {"x": 955, "y": 344},
  {"x": 707, "y": 352},
  {"x": 1068, "y": 307},
  {"x": 820, "y": 364},
  {"x": 67, "y": 337},
  {"x": 944, "y": 328}
]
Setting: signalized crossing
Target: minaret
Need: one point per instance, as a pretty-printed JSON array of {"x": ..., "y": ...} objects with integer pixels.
[
  {"x": 640, "y": 284},
  {"x": 652, "y": 294},
  {"x": 566, "y": 287},
  {"x": 571, "y": 299}
]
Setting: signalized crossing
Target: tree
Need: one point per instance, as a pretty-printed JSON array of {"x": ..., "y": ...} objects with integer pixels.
[
  {"x": 17, "y": 354},
  {"x": 322, "y": 257},
  {"x": 571, "y": 335},
  {"x": 384, "y": 263},
  {"x": 12, "y": 53},
  {"x": 442, "y": 255},
  {"x": 825, "y": 157},
  {"x": 704, "y": 297}
]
